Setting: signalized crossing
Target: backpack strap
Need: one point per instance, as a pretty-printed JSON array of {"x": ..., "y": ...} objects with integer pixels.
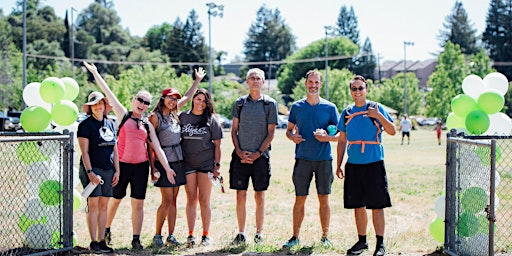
[
  {"x": 127, "y": 116},
  {"x": 348, "y": 117}
]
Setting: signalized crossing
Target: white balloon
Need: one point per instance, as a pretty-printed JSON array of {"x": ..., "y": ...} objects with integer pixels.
[
  {"x": 496, "y": 81},
  {"x": 32, "y": 98},
  {"x": 38, "y": 236},
  {"x": 38, "y": 172},
  {"x": 473, "y": 86},
  {"x": 474, "y": 245},
  {"x": 499, "y": 124},
  {"x": 439, "y": 207},
  {"x": 53, "y": 217},
  {"x": 34, "y": 209},
  {"x": 76, "y": 179}
]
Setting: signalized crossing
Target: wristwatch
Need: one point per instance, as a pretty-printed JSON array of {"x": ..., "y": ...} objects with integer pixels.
[
  {"x": 88, "y": 171},
  {"x": 217, "y": 164}
]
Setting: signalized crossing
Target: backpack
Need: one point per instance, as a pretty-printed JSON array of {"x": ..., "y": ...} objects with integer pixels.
[
  {"x": 349, "y": 109},
  {"x": 240, "y": 103},
  {"x": 373, "y": 120},
  {"x": 129, "y": 115}
]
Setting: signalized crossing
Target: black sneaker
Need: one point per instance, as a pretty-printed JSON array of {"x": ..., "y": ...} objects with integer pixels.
[
  {"x": 94, "y": 247},
  {"x": 136, "y": 245},
  {"x": 380, "y": 250},
  {"x": 258, "y": 239},
  {"x": 358, "y": 248},
  {"x": 104, "y": 248},
  {"x": 191, "y": 241},
  {"x": 239, "y": 239},
  {"x": 291, "y": 243},
  {"x": 108, "y": 237}
]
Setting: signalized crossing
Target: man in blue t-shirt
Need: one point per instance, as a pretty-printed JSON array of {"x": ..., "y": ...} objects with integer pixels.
[
  {"x": 365, "y": 184},
  {"x": 307, "y": 124}
]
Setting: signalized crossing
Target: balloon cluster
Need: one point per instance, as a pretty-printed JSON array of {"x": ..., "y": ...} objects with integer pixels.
[
  {"x": 52, "y": 99},
  {"x": 477, "y": 111}
]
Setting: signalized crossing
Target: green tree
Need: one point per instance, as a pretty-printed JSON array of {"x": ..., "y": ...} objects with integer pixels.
[
  {"x": 391, "y": 93},
  {"x": 459, "y": 30},
  {"x": 268, "y": 38},
  {"x": 364, "y": 63},
  {"x": 347, "y": 24},
  {"x": 446, "y": 81},
  {"x": 498, "y": 35},
  {"x": 156, "y": 36},
  {"x": 480, "y": 64}
]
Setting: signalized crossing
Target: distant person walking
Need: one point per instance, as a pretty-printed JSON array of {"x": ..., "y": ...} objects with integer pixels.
[
  {"x": 405, "y": 127},
  {"x": 438, "y": 130}
]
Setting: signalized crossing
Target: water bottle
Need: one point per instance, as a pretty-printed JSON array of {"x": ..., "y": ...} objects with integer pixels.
[
  {"x": 90, "y": 187},
  {"x": 157, "y": 176}
]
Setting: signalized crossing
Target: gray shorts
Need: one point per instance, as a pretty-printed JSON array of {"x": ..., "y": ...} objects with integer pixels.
[
  {"x": 104, "y": 189},
  {"x": 303, "y": 172}
]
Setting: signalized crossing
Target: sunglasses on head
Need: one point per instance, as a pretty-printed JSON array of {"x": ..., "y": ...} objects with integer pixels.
[
  {"x": 355, "y": 89},
  {"x": 145, "y": 102}
]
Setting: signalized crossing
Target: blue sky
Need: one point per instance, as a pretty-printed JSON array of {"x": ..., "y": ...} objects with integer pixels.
[{"x": 387, "y": 23}]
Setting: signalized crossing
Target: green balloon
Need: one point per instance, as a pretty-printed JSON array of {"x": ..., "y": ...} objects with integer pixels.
[
  {"x": 49, "y": 192},
  {"x": 35, "y": 119},
  {"x": 462, "y": 104},
  {"x": 71, "y": 88},
  {"x": 491, "y": 101},
  {"x": 28, "y": 153},
  {"x": 77, "y": 200},
  {"x": 484, "y": 153},
  {"x": 25, "y": 222},
  {"x": 454, "y": 121},
  {"x": 437, "y": 229},
  {"x": 52, "y": 89},
  {"x": 65, "y": 113},
  {"x": 468, "y": 225},
  {"x": 477, "y": 122},
  {"x": 473, "y": 200}
]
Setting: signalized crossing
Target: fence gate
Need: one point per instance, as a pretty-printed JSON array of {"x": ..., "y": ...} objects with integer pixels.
[
  {"x": 36, "y": 194},
  {"x": 478, "y": 209}
]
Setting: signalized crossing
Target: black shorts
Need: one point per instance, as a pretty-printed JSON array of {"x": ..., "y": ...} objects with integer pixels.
[
  {"x": 137, "y": 176},
  {"x": 406, "y": 134},
  {"x": 366, "y": 185},
  {"x": 104, "y": 189},
  {"x": 303, "y": 172},
  {"x": 179, "y": 169},
  {"x": 239, "y": 173}
]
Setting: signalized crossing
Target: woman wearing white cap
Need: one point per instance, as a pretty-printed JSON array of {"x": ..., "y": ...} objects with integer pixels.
[
  {"x": 133, "y": 157},
  {"x": 96, "y": 138}
]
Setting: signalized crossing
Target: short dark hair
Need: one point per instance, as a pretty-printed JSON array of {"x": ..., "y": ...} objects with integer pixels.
[
  {"x": 313, "y": 72},
  {"x": 358, "y": 78}
]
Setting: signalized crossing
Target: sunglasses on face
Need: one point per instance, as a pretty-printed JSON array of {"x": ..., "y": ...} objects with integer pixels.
[
  {"x": 355, "y": 89},
  {"x": 145, "y": 102},
  {"x": 171, "y": 98}
]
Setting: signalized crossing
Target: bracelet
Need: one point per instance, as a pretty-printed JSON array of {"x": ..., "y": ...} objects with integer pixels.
[
  {"x": 261, "y": 152},
  {"x": 88, "y": 171}
]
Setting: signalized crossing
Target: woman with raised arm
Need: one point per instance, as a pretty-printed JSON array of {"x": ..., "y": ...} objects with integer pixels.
[
  {"x": 133, "y": 137},
  {"x": 164, "y": 118}
]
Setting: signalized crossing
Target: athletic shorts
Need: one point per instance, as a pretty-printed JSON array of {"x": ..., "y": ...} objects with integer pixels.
[
  {"x": 303, "y": 172},
  {"x": 189, "y": 169},
  {"x": 259, "y": 173},
  {"x": 366, "y": 185},
  {"x": 104, "y": 189},
  {"x": 179, "y": 169},
  {"x": 406, "y": 134},
  {"x": 137, "y": 176}
]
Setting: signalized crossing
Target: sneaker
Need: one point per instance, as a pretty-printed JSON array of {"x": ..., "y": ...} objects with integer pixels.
[
  {"x": 380, "y": 250},
  {"x": 292, "y": 242},
  {"x": 108, "y": 237},
  {"x": 358, "y": 248},
  {"x": 205, "y": 241},
  {"x": 94, "y": 247},
  {"x": 325, "y": 242},
  {"x": 239, "y": 239},
  {"x": 104, "y": 247},
  {"x": 191, "y": 241},
  {"x": 157, "y": 241},
  {"x": 258, "y": 239},
  {"x": 172, "y": 241},
  {"x": 136, "y": 245}
]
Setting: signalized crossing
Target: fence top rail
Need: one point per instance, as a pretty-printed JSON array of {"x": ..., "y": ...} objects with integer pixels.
[
  {"x": 34, "y": 138},
  {"x": 470, "y": 141}
]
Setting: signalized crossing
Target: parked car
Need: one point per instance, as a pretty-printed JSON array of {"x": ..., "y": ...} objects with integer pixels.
[
  {"x": 10, "y": 123},
  {"x": 282, "y": 121},
  {"x": 224, "y": 121}
]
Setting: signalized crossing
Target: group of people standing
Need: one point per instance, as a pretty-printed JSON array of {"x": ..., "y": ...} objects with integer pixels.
[{"x": 182, "y": 148}]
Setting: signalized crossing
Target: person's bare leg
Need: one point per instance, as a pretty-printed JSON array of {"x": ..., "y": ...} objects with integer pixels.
[
  {"x": 113, "y": 205},
  {"x": 102, "y": 216},
  {"x": 378, "y": 221},
  {"x": 172, "y": 212},
  {"x": 241, "y": 199},
  {"x": 92, "y": 217},
  {"x": 259, "y": 198},
  {"x": 361, "y": 220},
  {"x": 191, "y": 209},
  {"x": 205, "y": 190},
  {"x": 325, "y": 214},
  {"x": 137, "y": 215},
  {"x": 162, "y": 210},
  {"x": 298, "y": 214}
]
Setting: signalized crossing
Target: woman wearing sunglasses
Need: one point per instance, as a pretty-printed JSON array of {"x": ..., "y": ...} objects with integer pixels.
[
  {"x": 164, "y": 118},
  {"x": 201, "y": 134},
  {"x": 132, "y": 142}
]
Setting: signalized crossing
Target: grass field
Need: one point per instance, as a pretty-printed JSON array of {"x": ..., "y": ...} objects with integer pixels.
[{"x": 415, "y": 176}]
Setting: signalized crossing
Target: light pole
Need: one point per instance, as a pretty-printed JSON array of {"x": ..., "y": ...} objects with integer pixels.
[
  {"x": 73, "y": 41},
  {"x": 328, "y": 31},
  {"x": 405, "y": 75},
  {"x": 212, "y": 11}
]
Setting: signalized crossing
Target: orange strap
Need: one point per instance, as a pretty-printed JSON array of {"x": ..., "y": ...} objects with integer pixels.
[{"x": 363, "y": 142}]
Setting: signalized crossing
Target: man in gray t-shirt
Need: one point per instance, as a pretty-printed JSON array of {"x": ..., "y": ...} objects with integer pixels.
[{"x": 254, "y": 124}]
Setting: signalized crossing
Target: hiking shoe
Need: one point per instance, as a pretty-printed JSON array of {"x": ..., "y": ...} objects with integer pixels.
[
  {"x": 94, "y": 247},
  {"x": 136, "y": 245},
  {"x": 104, "y": 247},
  {"x": 239, "y": 239},
  {"x": 380, "y": 250},
  {"x": 258, "y": 239},
  {"x": 108, "y": 237},
  {"x": 172, "y": 241},
  {"x": 191, "y": 241},
  {"x": 325, "y": 242},
  {"x": 358, "y": 248},
  {"x": 292, "y": 242},
  {"x": 205, "y": 241},
  {"x": 157, "y": 241}
]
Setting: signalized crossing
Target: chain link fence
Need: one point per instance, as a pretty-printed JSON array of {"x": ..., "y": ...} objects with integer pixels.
[
  {"x": 36, "y": 195},
  {"x": 478, "y": 217}
]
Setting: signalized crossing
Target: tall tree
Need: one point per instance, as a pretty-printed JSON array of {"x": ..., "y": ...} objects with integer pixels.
[
  {"x": 459, "y": 30},
  {"x": 347, "y": 24},
  {"x": 156, "y": 36},
  {"x": 497, "y": 36},
  {"x": 364, "y": 64},
  {"x": 268, "y": 38}
]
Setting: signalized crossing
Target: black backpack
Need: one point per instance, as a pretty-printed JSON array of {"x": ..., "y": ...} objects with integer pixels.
[{"x": 129, "y": 115}]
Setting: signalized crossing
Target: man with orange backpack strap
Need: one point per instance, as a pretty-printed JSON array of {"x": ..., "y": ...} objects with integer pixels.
[{"x": 361, "y": 125}]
